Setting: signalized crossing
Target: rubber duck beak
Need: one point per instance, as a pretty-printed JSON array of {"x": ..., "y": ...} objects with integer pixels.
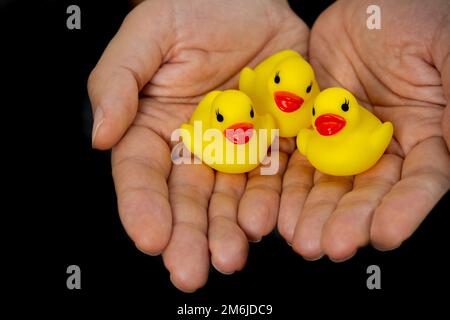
[
  {"x": 329, "y": 124},
  {"x": 287, "y": 101},
  {"x": 239, "y": 133}
]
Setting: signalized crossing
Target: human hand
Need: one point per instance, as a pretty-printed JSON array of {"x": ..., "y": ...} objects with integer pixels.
[
  {"x": 402, "y": 74},
  {"x": 165, "y": 57}
]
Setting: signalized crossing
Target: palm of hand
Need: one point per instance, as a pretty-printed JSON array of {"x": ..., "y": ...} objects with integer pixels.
[
  {"x": 166, "y": 208},
  {"x": 394, "y": 75},
  {"x": 172, "y": 209}
]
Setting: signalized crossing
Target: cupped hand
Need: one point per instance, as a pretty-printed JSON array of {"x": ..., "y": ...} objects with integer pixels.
[
  {"x": 164, "y": 58},
  {"x": 401, "y": 73}
]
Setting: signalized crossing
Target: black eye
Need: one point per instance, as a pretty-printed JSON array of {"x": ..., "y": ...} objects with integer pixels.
[
  {"x": 345, "y": 106},
  {"x": 308, "y": 90},
  {"x": 314, "y": 111},
  {"x": 252, "y": 113},
  {"x": 219, "y": 117},
  {"x": 277, "y": 79}
]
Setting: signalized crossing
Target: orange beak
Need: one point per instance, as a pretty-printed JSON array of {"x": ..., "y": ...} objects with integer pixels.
[
  {"x": 287, "y": 101},
  {"x": 329, "y": 124},
  {"x": 239, "y": 133}
]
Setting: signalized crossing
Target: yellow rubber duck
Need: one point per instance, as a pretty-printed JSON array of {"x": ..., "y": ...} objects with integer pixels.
[
  {"x": 283, "y": 85},
  {"x": 227, "y": 134},
  {"x": 346, "y": 138}
]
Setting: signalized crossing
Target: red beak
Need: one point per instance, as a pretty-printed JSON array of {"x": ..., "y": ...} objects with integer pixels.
[
  {"x": 329, "y": 124},
  {"x": 287, "y": 101},
  {"x": 239, "y": 133}
]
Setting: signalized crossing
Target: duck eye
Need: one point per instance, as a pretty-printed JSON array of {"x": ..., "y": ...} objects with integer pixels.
[
  {"x": 219, "y": 117},
  {"x": 277, "y": 78},
  {"x": 308, "y": 90},
  {"x": 252, "y": 113},
  {"x": 345, "y": 106},
  {"x": 314, "y": 111}
]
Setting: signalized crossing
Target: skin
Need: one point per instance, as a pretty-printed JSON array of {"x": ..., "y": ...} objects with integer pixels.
[
  {"x": 165, "y": 57},
  {"x": 403, "y": 77}
]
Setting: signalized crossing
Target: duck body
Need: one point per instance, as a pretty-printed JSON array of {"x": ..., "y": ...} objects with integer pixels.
[
  {"x": 343, "y": 143},
  {"x": 284, "y": 86},
  {"x": 227, "y": 134}
]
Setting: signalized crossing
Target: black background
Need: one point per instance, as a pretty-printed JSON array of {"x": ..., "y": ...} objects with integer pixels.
[{"x": 64, "y": 206}]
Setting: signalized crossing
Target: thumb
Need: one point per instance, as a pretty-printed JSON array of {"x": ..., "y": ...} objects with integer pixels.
[
  {"x": 127, "y": 64},
  {"x": 445, "y": 75},
  {"x": 441, "y": 55},
  {"x": 446, "y": 125}
]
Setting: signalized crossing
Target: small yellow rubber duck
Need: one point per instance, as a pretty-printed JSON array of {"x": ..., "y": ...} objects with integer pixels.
[
  {"x": 227, "y": 134},
  {"x": 283, "y": 85},
  {"x": 346, "y": 138}
]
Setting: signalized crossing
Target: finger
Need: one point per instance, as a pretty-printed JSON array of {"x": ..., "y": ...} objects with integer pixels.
[
  {"x": 140, "y": 180},
  {"x": 187, "y": 256},
  {"x": 127, "y": 64},
  {"x": 446, "y": 123},
  {"x": 320, "y": 203},
  {"x": 348, "y": 227},
  {"x": 425, "y": 179},
  {"x": 441, "y": 58},
  {"x": 258, "y": 208},
  {"x": 286, "y": 145},
  {"x": 297, "y": 182},
  {"x": 227, "y": 242}
]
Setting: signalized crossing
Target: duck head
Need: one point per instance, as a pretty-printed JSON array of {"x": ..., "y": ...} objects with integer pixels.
[
  {"x": 291, "y": 83},
  {"x": 233, "y": 114},
  {"x": 335, "y": 110}
]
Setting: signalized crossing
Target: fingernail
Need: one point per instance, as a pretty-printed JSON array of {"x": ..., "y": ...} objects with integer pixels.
[
  {"x": 98, "y": 121},
  {"x": 185, "y": 291},
  {"x": 343, "y": 259},
  {"x": 384, "y": 249},
  {"x": 152, "y": 254},
  {"x": 223, "y": 272},
  {"x": 313, "y": 258}
]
